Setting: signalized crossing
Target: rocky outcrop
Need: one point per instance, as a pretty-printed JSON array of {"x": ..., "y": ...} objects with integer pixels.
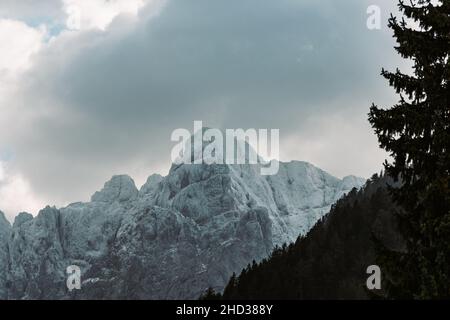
[
  {"x": 5, "y": 230},
  {"x": 173, "y": 238}
]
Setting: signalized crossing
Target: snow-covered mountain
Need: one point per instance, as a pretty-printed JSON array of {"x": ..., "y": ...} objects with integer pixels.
[{"x": 173, "y": 238}]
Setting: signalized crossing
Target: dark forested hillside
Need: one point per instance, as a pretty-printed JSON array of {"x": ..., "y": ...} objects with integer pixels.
[{"x": 330, "y": 262}]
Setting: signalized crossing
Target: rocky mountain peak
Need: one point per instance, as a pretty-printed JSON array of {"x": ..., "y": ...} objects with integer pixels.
[
  {"x": 151, "y": 185},
  {"x": 4, "y": 223},
  {"x": 177, "y": 236},
  {"x": 119, "y": 188},
  {"x": 22, "y": 218}
]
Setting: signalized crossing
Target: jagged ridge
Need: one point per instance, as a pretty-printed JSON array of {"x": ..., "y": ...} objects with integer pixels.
[{"x": 173, "y": 238}]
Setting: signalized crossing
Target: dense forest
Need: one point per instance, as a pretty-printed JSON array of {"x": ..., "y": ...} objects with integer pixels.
[{"x": 330, "y": 262}]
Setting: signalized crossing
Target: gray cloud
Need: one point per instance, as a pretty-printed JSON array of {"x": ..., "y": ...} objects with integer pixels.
[
  {"x": 32, "y": 11},
  {"x": 101, "y": 103}
]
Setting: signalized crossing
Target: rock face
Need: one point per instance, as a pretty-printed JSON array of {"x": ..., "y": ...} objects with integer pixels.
[
  {"x": 5, "y": 230},
  {"x": 173, "y": 238}
]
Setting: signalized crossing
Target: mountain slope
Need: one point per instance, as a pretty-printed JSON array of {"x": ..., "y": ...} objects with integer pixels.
[
  {"x": 173, "y": 238},
  {"x": 331, "y": 261},
  {"x": 5, "y": 228}
]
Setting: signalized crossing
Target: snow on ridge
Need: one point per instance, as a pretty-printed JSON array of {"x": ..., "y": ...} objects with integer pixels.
[{"x": 172, "y": 239}]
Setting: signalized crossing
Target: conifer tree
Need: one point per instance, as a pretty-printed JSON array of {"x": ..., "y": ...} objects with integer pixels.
[
  {"x": 416, "y": 133},
  {"x": 230, "y": 289},
  {"x": 210, "y": 294}
]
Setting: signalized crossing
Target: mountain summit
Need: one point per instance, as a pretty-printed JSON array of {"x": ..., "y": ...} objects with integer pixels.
[{"x": 173, "y": 238}]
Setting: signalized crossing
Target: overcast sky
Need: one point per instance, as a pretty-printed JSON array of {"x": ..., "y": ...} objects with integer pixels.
[{"x": 82, "y": 102}]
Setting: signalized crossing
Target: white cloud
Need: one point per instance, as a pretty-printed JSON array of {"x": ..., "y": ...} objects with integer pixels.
[
  {"x": 16, "y": 194},
  {"x": 30, "y": 9},
  {"x": 2, "y": 172},
  {"x": 22, "y": 49},
  {"x": 88, "y": 14},
  {"x": 18, "y": 42},
  {"x": 341, "y": 143}
]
